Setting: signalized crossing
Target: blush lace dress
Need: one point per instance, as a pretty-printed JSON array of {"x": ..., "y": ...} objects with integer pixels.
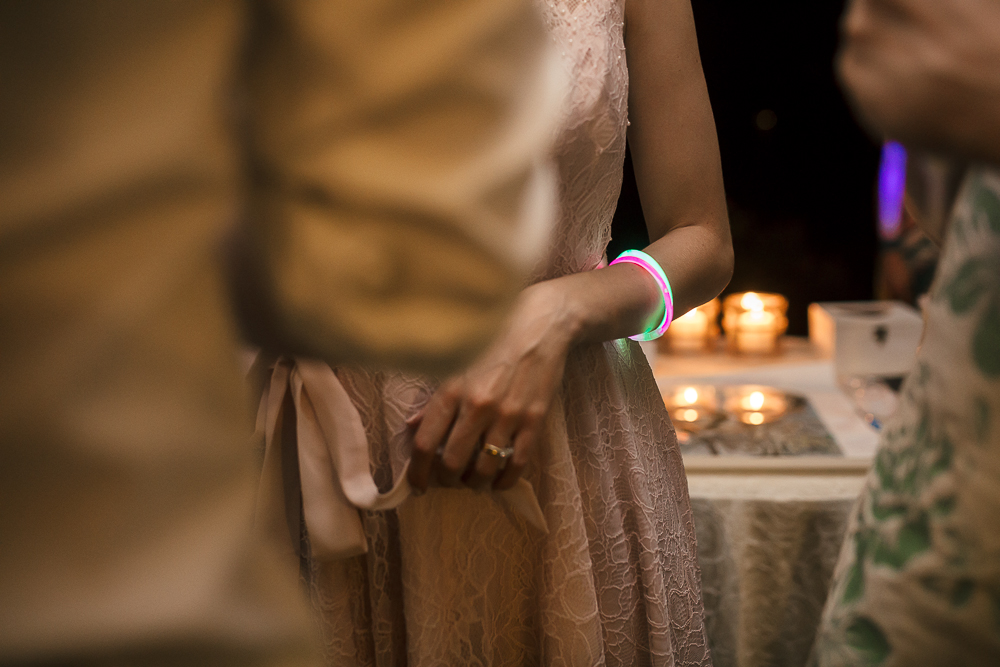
[{"x": 454, "y": 577}]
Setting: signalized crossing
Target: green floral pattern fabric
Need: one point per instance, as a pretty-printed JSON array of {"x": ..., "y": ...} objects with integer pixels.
[{"x": 918, "y": 580}]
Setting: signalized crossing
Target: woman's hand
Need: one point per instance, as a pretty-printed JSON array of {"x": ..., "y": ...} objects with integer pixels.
[{"x": 501, "y": 400}]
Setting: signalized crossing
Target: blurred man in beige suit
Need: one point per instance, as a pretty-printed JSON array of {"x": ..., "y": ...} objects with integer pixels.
[{"x": 385, "y": 157}]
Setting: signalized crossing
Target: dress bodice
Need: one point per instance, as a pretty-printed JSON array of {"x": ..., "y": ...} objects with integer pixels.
[{"x": 590, "y": 147}]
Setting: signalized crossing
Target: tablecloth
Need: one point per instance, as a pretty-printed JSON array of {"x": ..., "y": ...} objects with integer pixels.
[{"x": 768, "y": 540}]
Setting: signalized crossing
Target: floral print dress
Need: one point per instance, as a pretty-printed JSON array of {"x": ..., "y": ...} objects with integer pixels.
[{"x": 918, "y": 581}]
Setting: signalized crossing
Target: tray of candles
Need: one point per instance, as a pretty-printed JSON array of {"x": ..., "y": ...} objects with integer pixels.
[{"x": 753, "y": 428}]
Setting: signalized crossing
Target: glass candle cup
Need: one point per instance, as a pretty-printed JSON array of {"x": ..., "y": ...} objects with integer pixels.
[
  {"x": 754, "y": 404},
  {"x": 691, "y": 407},
  {"x": 754, "y": 322},
  {"x": 696, "y": 330}
]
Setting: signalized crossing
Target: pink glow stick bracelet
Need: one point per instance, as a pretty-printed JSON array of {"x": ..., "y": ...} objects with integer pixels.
[{"x": 640, "y": 258}]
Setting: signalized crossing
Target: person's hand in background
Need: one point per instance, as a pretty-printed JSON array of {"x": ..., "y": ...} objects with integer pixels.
[{"x": 926, "y": 72}]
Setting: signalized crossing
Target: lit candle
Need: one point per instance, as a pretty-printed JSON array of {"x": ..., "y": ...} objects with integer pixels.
[
  {"x": 688, "y": 332},
  {"x": 692, "y": 397},
  {"x": 695, "y": 330},
  {"x": 691, "y": 404},
  {"x": 753, "y": 401},
  {"x": 756, "y": 405},
  {"x": 754, "y": 322},
  {"x": 687, "y": 414},
  {"x": 756, "y": 332}
]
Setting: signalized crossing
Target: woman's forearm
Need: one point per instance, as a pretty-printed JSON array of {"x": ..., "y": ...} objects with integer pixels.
[
  {"x": 679, "y": 176},
  {"x": 678, "y": 173},
  {"x": 623, "y": 300},
  {"x": 698, "y": 260}
]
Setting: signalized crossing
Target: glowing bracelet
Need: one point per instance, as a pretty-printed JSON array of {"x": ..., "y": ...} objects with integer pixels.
[{"x": 640, "y": 258}]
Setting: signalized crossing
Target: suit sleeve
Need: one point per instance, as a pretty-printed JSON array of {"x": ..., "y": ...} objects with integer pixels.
[{"x": 401, "y": 192}]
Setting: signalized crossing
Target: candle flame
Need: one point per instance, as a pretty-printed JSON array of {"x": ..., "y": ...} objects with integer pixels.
[
  {"x": 690, "y": 415},
  {"x": 690, "y": 395},
  {"x": 756, "y": 400},
  {"x": 689, "y": 315},
  {"x": 752, "y": 302},
  {"x": 755, "y": 418}
]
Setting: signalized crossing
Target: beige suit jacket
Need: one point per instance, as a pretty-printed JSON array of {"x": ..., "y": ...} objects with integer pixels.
[{"x": 384, "y": 156}]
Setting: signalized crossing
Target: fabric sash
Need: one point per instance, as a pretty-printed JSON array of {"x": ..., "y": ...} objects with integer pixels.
[{"x": 333, "y": 471}]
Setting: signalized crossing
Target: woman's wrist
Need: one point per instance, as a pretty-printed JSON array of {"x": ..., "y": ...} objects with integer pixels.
[
  {"x": 665, "y": 312},
  {"x": 596, "y": 306},
  {"x": 558, "y": 298}
]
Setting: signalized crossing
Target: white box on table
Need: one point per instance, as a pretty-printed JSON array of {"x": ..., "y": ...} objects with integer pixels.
[{"x": 866, "y": 337}]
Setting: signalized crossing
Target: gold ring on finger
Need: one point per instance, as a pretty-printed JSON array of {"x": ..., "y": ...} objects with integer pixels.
[{"x": 502, "y": 454}]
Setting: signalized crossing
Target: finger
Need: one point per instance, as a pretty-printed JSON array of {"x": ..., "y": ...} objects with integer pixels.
[
  {"x": 463, "y": 442},
  {"x": 436, "y": 419},
  {"x": 487, "y": 464},
  {"x": 415, "y": 419},
  {"x": 524, "y": 444}
]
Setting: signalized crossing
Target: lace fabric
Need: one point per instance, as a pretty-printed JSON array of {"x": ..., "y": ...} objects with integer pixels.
[
  {"x": 590, "y": 148},
  {"x": 455, "y": 578}
]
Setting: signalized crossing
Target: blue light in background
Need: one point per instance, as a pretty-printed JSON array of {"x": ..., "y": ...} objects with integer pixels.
[{"x": 891, "y": 186}]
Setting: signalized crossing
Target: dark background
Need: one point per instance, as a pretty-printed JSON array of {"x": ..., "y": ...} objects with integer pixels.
[{"x": 801, "y": 194}]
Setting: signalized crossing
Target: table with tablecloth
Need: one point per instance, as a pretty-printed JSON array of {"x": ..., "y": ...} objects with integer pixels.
[{"x": 769, "y": 531}]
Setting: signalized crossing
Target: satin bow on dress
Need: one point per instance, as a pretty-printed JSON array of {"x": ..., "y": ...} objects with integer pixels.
[{"x": 332, "y": 480}]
